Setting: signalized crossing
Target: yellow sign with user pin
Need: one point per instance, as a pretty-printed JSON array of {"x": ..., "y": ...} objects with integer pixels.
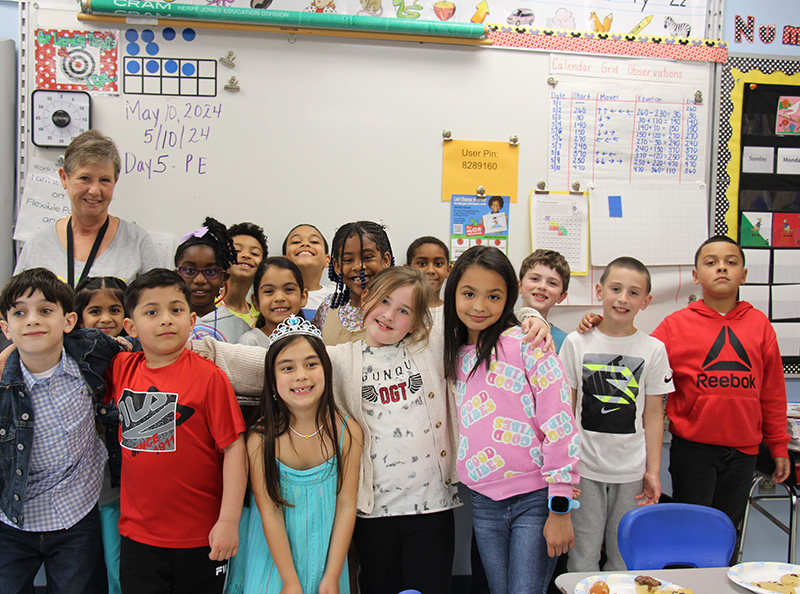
[{"x": 470, "y": 164}]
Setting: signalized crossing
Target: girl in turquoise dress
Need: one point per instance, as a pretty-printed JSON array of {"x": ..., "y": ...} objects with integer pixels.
[{"x": 304, "y": 463}]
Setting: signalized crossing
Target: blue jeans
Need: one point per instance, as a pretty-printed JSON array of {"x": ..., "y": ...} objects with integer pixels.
[
  {"x": 510, "y": 535},
  {"x": 73, "y": 558}
]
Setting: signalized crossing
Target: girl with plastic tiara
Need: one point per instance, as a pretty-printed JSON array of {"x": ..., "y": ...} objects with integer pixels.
[
  {"x": 392, "y": 383},
  {"x": 518, "y": 444},
  {"x": 359, "y": 251},
  {"x": 202, "y": 259},
  {"x": 304, "y": 463}
]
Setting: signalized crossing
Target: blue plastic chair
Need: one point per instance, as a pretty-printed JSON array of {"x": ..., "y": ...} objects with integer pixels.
[{"x": 654, "y": 536}]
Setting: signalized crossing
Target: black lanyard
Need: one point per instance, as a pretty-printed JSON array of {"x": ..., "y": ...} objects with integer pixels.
[{"x": 92, "y": 255}]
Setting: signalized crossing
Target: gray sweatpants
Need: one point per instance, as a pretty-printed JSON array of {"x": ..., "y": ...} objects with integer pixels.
[{"x": 602, "y": 507}]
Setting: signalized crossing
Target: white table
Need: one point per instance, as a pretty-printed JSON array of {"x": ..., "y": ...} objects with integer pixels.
[{"x": 702, "y": 581}]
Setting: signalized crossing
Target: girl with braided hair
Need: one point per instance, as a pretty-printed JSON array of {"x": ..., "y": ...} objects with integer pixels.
[
  {"x": 359, "y": 251},
  {"x": 202, "y": 259}
]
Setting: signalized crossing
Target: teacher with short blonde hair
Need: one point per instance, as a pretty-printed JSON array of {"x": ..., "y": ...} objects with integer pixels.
[{"x": 90, "y": 242}]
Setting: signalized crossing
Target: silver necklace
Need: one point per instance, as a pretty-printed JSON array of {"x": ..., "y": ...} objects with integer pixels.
[{"x": 309, "y": 436}]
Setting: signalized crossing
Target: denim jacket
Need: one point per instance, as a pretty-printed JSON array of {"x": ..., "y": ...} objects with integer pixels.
[{"x": 92, "y": 351}]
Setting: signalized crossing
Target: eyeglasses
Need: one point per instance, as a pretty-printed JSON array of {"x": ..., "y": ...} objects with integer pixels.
[{"x": 189, "y": 272}]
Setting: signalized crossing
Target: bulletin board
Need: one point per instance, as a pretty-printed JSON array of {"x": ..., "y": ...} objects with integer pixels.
[
  {"x": 318, "y": 129},
  {"x": 758, "y": 192}
]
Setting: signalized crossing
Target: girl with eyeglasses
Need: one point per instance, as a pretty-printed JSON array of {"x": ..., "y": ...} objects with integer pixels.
[{"x": 201, "y": 259}]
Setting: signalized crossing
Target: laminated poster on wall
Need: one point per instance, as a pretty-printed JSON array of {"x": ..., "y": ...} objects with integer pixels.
[
  {"x": 787, "y": 120},
  {"x": 756, "y": 229},
  {"x": 478, "y": 220},
  {"x": 560, "y": 222},
  {"x": 786, "y": 229},
  {"x": 614, "y": 119},
  {"x": 44, "y": 200},
  {"x": 69, "y": 60}
]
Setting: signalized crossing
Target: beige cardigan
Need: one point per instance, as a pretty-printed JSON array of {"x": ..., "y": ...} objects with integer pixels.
[{"x": 244, "y": 366}]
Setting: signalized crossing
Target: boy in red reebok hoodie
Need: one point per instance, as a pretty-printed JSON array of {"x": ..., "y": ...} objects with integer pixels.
[{"x": 729, "y": 388}]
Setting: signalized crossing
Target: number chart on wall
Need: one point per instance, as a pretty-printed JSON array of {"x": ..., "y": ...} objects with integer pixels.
[{"x": 626, "y": 120}]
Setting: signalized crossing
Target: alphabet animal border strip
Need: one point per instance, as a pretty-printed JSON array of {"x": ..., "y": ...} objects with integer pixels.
[{"x": 612, "y": 44}]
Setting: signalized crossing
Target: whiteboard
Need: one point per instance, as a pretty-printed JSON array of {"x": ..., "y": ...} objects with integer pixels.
[{"x": 322, "y": 130}]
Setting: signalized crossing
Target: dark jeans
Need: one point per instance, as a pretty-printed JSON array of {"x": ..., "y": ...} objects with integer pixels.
[
  {"x": 406, "y": 552},
  {"x": 73, "y": 558},
  {"x": 715, "y": 476},
  {"x": 145, "y": 569}
]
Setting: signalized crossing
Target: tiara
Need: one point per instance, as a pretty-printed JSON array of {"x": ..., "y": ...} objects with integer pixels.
[{"x": 294, "y": 325}]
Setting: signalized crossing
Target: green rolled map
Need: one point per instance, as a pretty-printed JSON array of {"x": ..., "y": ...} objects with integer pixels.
[{"x": 285, "y": 18}]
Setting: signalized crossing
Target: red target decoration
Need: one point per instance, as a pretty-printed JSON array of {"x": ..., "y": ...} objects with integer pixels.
[{"x": 68, "y": 60}]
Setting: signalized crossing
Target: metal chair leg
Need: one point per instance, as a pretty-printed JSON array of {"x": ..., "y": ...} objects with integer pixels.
[{"x": 740, "y": 540}]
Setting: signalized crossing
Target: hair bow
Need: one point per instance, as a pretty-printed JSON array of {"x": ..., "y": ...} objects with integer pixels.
[{"x": 198, "y": 233}]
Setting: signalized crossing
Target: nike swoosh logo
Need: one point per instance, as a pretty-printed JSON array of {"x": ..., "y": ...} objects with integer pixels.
[
  {"x": 667, "y": 379},
  {"x": 605, "y": 410}
]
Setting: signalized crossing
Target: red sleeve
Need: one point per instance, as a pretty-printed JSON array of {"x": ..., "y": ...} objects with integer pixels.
[
  {"x": 662, "y": 333},
  {"x": 773, "y": 397},
  {"x": 224, "y": 416}
]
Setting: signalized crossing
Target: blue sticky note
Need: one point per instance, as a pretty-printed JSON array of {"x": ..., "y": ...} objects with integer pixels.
[{"x": 615, "y": 206}]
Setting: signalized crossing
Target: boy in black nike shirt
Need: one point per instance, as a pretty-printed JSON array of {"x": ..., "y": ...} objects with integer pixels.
[{"x": 618, "y": 376}]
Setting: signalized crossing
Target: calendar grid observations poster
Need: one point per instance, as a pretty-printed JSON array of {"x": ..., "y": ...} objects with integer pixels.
[{"x": 617, "y": 121}]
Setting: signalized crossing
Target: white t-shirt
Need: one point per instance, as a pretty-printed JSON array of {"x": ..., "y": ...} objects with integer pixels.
[
  {"x": 406, "y": 477},
  {"x": 315, "y": 299},
  {"x": 612, "y": 376},
  {"x": 220, "y": 324},
  {"x": 255, "y": 338}
]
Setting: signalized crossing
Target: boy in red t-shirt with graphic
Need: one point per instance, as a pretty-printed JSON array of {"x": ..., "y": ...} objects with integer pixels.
[{"x": 183, "y": 461}]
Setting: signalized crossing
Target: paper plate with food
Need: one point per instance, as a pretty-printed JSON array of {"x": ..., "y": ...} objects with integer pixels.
[
  {"x": 627, "y": 583},
  {"x": 766, "y": 577}
]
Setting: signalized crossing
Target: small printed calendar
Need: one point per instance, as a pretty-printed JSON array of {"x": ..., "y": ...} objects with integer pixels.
[{"x": 560, "y": 223}]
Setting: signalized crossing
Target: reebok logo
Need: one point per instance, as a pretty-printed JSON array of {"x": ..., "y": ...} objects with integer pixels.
[
  {"x": 714, "y": 359},
  {"x": 726, "y": 354}
]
